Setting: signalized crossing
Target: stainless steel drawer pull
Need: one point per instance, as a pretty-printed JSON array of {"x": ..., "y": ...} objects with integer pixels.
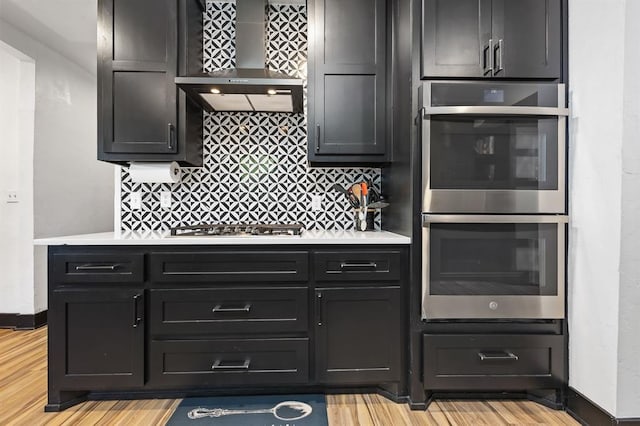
[
  {"x": 219, "y": 308},
  {"x": 89, "y": 267},
  {"x": 506, "y": 355},
  {"x": 344, "y": 265},
  {"x": 234, "y": 365}
]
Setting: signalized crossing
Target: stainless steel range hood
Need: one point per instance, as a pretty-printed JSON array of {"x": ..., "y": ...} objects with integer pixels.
[{"x": 250, "y": 86}]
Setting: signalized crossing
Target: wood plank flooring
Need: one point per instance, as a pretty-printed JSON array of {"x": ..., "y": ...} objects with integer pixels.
[{"x": 23, "y": 395}]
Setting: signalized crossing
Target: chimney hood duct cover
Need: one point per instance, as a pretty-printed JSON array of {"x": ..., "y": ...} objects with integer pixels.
[{"x": 250, "y": 86}]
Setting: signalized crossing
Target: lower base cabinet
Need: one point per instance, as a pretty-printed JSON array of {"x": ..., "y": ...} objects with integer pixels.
[
  {"x": 96, "y": 338},
  {"x": 358, "y": 335},
  {"x": 501, "y": 362},
  {"x": 135, "y": 321},
  {"x": 229, "y": 362}
]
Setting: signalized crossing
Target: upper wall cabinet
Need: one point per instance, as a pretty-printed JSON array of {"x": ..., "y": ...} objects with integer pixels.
[
  {"x": 141, "y": 115},
  {"x": 347, "y": 121},
  {"x": 491, "y": 38}
]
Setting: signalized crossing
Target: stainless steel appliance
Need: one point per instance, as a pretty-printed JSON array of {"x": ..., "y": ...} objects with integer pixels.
[
  {"x": 251, "y": 86},
  {"x": 225, "y": 230},
  {"x": 493, "y": 147},
  {"x": 493, "y": 266}
]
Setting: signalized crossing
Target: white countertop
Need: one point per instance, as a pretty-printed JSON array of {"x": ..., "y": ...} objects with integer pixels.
[{"x": 129, "y": 238}]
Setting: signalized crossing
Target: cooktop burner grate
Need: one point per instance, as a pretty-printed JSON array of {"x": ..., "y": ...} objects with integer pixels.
[{"x": 209, "y": 230}]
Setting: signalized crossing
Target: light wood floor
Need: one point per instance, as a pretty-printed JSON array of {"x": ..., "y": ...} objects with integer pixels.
[{"x": 23, "y": 394}]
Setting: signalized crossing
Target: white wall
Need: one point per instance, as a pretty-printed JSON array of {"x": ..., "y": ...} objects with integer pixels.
[
  {"x": 629, "y": 322},
  {"x": 17, "y": 94},
  {"x": 73, "y": 192},
  {"x": 604, "y": 206}
]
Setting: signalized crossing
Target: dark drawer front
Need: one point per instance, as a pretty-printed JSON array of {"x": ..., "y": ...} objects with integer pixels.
[
  {"x": 98, "y": 268},
  {"x": 223, "y": 363},
  {"x": 229, "y": 310},
  {"x": 357, "y": 265},
  {"x": 246, "y": 266},
  {"x": 493, "y": 362}
]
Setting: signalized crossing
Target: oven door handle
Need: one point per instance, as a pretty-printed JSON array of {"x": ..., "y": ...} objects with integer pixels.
[
  {"x": 494, "y": 110},
  {"x": 485, "y": 218}
]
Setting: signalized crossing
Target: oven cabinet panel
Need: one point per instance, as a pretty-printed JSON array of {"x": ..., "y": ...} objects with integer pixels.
[
  {"x": 228, "y": 310},
  {"x": 96, "y": 339},
  {"x": 493, "y": 362},
  {"x": 491, "y": 38},
  {"x": 228, "y": 362},
  {"x": 229, "y": 266},
  {"x": 453, "y": 36},
  {"x": 358, "y": 335},
  {"x": 530, "y": 32}
]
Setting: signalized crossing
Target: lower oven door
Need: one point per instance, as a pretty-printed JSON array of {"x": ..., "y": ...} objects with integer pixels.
[{"x": 493, "y": 266}]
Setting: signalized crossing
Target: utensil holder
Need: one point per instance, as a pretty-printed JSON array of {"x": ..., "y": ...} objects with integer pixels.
[{"x": 368, "y": 218}]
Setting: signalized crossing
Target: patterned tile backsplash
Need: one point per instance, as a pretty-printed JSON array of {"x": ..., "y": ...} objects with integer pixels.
[{"x": 255, "y": 164}]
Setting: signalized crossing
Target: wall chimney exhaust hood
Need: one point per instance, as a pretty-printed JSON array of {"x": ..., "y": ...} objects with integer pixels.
[{"x": 250, "y": 86}]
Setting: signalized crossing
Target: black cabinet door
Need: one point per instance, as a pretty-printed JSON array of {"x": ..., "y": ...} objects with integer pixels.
[
  {"x": 455, "y": 38},
  {"x": 491, "y": 38},
  {"x": 358, "y": 335},
  {"x": 529, "y": 38},
  {"x": 137, "y": 64},
  {"x": 96, "y": 338},
  {"x": 347, "y": 74}
]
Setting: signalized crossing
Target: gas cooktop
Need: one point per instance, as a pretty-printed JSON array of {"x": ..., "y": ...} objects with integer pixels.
[{"x": 209, "y": 230}]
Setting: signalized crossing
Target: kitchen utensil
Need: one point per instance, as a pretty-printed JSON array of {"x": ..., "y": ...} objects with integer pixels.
[
  {"x": 363, "y": 209},
  {"x": 353, "y": 201}
]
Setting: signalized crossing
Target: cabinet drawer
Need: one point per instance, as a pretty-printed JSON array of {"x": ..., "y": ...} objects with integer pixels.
[
  {"x": 233, "y": 362},
  {"x": 98, "y": 268},
  {"x": 229, "y": 310},
  {"x": 493, "y": 362},
  {"x": 229, "y": 266},
  {"x": 357, "y": 265}
]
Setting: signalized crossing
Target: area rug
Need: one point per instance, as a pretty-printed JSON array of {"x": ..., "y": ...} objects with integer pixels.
[{"x": 269, "y": 410}]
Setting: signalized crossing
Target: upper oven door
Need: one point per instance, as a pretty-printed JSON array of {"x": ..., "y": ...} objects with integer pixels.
[{"x": 493, "y": 147}]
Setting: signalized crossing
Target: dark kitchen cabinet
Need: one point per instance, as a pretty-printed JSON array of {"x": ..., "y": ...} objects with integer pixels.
[
  {"x": 493, "y": 362},
  {"x": 132, "y": 321},
  {"x": 96, "y": 338},
  {"x": 491, "y": 38},
  {"x": 357, "y": 335},
  {"x": 347, "y": 70},
  {"x": 141, "y": 114}
]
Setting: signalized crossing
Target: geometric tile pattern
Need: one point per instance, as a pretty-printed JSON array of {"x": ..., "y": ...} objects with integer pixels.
[{"x": 255, "y": 164}]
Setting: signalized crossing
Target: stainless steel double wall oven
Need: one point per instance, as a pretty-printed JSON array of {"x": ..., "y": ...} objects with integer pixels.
[{"x": 494, "y": 199}]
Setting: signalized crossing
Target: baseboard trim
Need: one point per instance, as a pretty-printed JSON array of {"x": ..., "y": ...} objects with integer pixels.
[
  {"x": 587, "y": 412},
  {"x": 23, "y": 322}
]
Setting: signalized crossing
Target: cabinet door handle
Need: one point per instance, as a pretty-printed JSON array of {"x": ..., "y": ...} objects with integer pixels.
[
  {"x": 317, "y": 138},
  {"x": 368, "y": 265},
  {"x": 319, "y": 309},
  {"x": 234, "y": 365},
  {"x": 506, "y": 355},
  {"x": 90, "y": 267},
  {"x": 219, "y": 308},
  {"x": 487, "y": 58},
  {"x": 170, "y": 136},
  {"x": 497, "y": 52},
  {"x": 136, "y": 313}
]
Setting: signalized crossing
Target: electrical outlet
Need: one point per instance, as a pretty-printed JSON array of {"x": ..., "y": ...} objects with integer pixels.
[
  {"x": 12, "y": 196},
  {"x": 135, "y": 201},
  {"x": 165, "y": 199},
  {"x": 316, "y": 202}
]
